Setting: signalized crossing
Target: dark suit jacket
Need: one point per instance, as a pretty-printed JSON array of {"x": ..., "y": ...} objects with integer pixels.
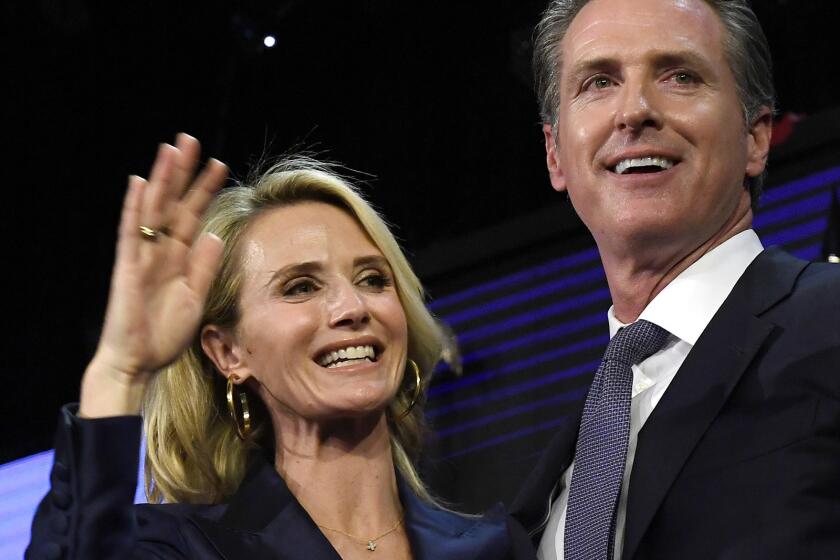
[
  {"x": 88, "y": 513},
  {"x": 741, "y": 457}
]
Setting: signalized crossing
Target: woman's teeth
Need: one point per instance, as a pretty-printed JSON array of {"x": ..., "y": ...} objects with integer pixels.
[
  {"x": 348, "y": 356},
  {"x": 345, "y": 363}
]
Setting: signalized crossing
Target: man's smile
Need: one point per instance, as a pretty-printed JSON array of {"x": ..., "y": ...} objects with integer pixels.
[{"x": 643, "y": 165}]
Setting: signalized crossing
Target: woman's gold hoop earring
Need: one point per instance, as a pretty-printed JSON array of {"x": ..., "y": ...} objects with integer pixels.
[
  {"x": 243, "y": 430},
  {"x": 417, "y": 389}
]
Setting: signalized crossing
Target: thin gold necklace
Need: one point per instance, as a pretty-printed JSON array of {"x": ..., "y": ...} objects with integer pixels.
[{"x": 370, "y": 544}]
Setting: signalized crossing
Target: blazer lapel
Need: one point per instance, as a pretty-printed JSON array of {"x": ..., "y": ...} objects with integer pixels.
[
  {"x": 264, "y": 520},
  {"x": 436, "y": 534},
  {"x": 702, "y": 386}
]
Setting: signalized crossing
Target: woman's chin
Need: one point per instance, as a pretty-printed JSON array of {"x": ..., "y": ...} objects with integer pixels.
[
  {"x": 364, "y": 404},
  {"x": 337, "y": 401}
]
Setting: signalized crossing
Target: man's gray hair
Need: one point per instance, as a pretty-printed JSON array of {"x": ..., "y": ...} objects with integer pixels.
[{"x": 745, "y": 46}]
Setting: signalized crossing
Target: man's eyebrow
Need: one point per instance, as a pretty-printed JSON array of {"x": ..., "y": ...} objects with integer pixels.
[
  {"x": 678, "y": 58},
  {"x": 587, "y": 66},
  {"x": 296, "y": 269},
  {"x": 660, "y": 59}
]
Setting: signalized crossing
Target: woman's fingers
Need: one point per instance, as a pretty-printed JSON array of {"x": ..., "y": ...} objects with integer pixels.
[
  {"x": 171, "y": 203},
  {"x": 206, "y": 185},
  {"x": 159, "y": 193},
  {"x": 203, "y": 263},
  {"x": 129, "y": 231},
  {"x": 174, "y": 203},
  {"x": 186, "y": 162},
  {"x": 184, "y": 225}
]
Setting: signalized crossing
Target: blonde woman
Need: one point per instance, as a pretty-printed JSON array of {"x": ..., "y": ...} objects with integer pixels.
[{"x": 279, "y": 349}]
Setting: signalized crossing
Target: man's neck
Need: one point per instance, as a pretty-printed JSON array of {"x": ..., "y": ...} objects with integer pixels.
[{"x": 637, "y": 275}]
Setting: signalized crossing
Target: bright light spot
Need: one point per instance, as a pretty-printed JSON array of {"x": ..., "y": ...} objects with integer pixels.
[{"x": 269, "y": 41}]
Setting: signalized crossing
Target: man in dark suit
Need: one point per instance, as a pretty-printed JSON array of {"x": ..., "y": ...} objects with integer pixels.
[{"x": 712, "y": 428}]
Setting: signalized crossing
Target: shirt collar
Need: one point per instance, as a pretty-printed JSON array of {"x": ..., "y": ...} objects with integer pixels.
[{"x": 687, "y": 304}]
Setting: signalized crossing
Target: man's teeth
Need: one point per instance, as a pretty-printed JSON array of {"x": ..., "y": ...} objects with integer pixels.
[
  {"x": 347, "y": 356},
  {"x": 660, "y": 162}
]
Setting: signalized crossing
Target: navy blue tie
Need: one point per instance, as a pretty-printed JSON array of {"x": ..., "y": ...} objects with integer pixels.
[{"x": 601, "y": 450}]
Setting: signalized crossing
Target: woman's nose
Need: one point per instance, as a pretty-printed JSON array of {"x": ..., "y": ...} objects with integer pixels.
[{"x": 347, "y": 307}]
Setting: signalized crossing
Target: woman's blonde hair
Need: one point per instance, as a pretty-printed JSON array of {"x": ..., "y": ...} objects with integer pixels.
[{"x": 192, "y": 451}]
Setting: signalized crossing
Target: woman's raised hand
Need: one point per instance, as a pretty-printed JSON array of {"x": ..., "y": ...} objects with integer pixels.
[{"x": 161, "y": 276}]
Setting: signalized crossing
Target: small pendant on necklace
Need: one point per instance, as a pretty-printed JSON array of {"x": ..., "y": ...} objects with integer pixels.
[{"x": 371, "y": 545}]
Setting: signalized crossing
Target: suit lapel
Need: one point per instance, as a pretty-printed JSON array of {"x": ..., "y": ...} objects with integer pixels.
[
  {"x": 690, "y": 404},
  {"x": 264, "y": 520},
  {"x": 702, "y": 386},
  {"x": 532, "y": 503}
]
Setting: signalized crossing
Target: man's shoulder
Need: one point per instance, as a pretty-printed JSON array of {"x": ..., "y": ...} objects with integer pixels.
[
  {"x": 806, "y": 282},
  {"x": 820, "y": 280},
  {"x": 798, "y": 301},
  {"x": 806, "y": 319},
  {"x": 817, "y": 285}
]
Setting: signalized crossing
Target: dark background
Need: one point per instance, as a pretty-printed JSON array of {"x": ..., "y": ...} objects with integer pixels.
[{"x": 432, "y": 100}]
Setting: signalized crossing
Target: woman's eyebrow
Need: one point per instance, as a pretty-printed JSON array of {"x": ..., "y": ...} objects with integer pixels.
[
  {"x": 295, "y": 269},
  {"x": 371, "y": 260}
]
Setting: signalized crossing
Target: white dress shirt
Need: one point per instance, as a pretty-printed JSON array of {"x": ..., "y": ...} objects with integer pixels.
[{"x": 683, "y": 308}]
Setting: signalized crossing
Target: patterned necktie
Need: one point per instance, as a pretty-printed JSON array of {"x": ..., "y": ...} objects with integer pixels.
[{"x": 601, "y": 449}]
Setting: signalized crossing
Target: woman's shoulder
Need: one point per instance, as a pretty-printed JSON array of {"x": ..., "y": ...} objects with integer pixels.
[
  {"x": 177, "y": 512},
  {"x": 177, "y": 527}
]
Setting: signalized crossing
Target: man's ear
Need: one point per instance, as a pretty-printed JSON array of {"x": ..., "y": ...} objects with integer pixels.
[
  {"x": 225, "y": 352},
  {"x": 758, "y": 142},
  {"x": 552, "y": 159}
]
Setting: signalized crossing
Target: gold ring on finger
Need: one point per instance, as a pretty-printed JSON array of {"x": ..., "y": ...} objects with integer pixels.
[{"x": 151, "y": 234}]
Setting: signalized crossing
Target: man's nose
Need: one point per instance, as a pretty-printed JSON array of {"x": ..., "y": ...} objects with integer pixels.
[
  {"x": 347, "y": 307},
  {"x": 637, "y": 107}
]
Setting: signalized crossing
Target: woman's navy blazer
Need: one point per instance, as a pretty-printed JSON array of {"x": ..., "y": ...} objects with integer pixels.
[{"x": 89, "y": 512}]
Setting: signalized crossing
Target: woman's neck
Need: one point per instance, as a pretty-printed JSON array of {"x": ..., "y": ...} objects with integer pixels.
[{"x": 341, "y": 472}]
